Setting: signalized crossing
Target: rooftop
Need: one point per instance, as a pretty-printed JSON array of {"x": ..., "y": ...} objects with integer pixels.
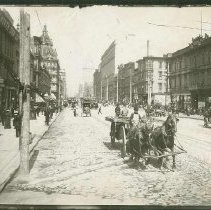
[{"x": 196, "y": 43}]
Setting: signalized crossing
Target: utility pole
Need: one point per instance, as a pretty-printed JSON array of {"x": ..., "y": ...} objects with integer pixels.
[
  {"x": 148, "y": 76},
  {"x": 130, "y": 87},
  {"x": 59, "y": 90},
  {"x": 101, "y": 90},
  {"x": 117, "y": 87},
  {"x": 201, "y": 23},
  {"x": 106, "y": 87},
  {"x": 25, "y": 96}
]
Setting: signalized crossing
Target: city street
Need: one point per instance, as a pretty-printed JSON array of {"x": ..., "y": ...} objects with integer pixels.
[{"x": 74, "y": 163}]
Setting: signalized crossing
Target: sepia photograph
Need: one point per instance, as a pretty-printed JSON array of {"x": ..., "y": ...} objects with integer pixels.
[{"x": 105, "y": 105}]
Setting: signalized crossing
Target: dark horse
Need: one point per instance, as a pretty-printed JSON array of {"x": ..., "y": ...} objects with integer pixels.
[
  {"x": 139, "y": 140},
  {"x": 163, "y": 138}
]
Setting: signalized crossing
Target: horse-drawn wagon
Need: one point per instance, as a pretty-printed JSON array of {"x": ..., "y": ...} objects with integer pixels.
[
  {"x": 86, "y": 105},
  {"x": 144, "y": 141},
  {"x": 119, "y": 128}
]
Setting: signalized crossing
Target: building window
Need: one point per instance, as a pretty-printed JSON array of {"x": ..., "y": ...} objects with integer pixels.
[
  {"x": 166, "y": 65},
  {"x": 160, "y": 87},
  {"x": 160, "y": 75},
  {"x": 160, "y": 64}
]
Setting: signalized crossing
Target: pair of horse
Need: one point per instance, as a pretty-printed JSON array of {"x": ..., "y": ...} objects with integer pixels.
[{"x": 144, "y": 138}]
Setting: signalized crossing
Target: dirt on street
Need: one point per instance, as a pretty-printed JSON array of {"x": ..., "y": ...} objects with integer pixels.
[{"x": 75, "y": 164}]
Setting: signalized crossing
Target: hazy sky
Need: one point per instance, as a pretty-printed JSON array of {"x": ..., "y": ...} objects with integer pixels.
[{"x": 81, "y": 36}]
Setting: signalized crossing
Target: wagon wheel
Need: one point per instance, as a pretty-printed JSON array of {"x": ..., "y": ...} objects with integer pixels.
[
  {"x": 123, "y": 137},
  {"x": 112, "y": 134}
]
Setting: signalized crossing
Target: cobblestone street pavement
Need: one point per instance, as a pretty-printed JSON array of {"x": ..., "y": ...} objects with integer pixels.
[{"x": 75, "y": 164}]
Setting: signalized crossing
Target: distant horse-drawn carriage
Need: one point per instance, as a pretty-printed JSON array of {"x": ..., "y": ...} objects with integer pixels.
[{"x": 86, "y": 106}]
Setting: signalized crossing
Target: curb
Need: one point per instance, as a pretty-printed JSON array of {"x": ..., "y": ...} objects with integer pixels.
[
  {"x": 37, "y": 139},
  {"x": 12, "y": 167},
  {"x": 10, "y": 170}
]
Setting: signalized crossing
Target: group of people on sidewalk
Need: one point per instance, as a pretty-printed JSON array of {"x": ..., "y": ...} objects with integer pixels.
[
  {"x": 12, "y": 117},
  {"x": 7, "y": 116}
]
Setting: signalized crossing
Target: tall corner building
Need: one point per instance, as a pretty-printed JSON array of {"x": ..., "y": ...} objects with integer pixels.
[{"x": 50, "y": 62}]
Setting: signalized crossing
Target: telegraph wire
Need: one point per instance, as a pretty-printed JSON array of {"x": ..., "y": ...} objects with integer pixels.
[
  {"x": 209, "y": 23},
  {"x": 176, "y": 26},
  {"x": 38, "y": 19}
]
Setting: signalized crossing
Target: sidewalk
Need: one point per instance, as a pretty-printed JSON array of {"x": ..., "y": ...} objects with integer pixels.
[{"x": 9, "y": 147}]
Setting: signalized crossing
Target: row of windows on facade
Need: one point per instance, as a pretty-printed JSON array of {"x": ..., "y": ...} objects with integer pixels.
[
  {"x": 192, "y": 61},
  {"x": 7, "y": 44},
  {"x": 187, "y": 80},
  {"x": 161, "y": 86},
  {"x": 49, "y": 64},
  {"x": 150, "y": 65}
]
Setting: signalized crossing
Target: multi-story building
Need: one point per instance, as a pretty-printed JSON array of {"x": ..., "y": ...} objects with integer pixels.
[
  {"x": 50, "y": 62},
  {"x": 62, "y": 84},
  {"x": 107, "y": 71},
  {"x": 40, "y": 77},
  {"x": 125, "y": 81},
  {"x": 9, "y": 61},
  {"x": 190, "y": 74},
  {"x": 120, "y": 79},
  {"x": 153, "y": 81},
  {"x": 97, "y": 85},
  {"x": 109, "y": 67}
]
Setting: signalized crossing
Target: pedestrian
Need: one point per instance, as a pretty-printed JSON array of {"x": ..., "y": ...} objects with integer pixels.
[
  {"x": 100, "y": 110},
  {"x": 47, "y": 116},
  {"x": 7, "y": 123},
  {"x": 74, "y": 112},
  {"x": 124, "y": 111},
  {"x": 17, "y": 123},
  {"x": 142, "y": 112},
  {"x": 117, "y": 110},
  {"x": 2, "y": 115}
]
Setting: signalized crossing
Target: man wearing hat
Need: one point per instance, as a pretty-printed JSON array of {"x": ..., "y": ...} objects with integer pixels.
[
  {"x": 17, "y": 123},
  {"x": 134, "y": 121},
  {"x": 124, "y": 111},
  {"x": 7, "y": 123},
  {"x": 117, "y": 110}
]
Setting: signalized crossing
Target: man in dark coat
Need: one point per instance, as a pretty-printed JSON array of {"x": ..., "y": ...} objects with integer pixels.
[
  {"x": 7, "y": 123},
  {"x": 47, "y": 116},
  {"x": 117, "y": 110},
  {"x": 2, "y": 115},
  {"x": 17, "y": 123}
]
